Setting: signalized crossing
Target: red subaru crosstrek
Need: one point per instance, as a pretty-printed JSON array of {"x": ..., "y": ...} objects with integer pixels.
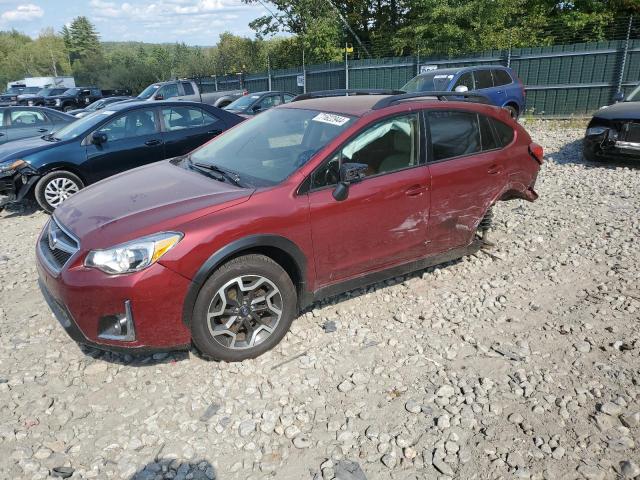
[{"x": 223, "y": 247}]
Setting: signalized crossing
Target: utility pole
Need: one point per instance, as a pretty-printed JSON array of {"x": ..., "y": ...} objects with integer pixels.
[
  {"x": 346, "y": 66},
  {"x": 304, "y": 73},
  {"x": 269, "y": 71}
]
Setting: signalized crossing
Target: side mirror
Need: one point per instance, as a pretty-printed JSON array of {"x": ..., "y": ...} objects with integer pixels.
[
  {"x": 461, "y": 89},
  {"x": 349, "y": 173},
  {"x": 256, "y": 108},
  {"x": 618, "y": 97},
  {"x": 159, "y": 97},
  {"x": 98, "y": 138}
]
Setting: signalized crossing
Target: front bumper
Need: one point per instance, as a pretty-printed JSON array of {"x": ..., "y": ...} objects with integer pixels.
[
  {"x": 80, "y": 297},
  {"x": 14, "y": 186}
]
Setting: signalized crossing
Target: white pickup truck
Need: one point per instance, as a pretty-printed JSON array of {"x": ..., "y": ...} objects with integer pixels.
[{"x": 187, "y": 90}]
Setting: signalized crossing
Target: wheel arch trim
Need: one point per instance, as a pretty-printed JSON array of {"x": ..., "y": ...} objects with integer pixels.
[{"x": 237, "y": 247}]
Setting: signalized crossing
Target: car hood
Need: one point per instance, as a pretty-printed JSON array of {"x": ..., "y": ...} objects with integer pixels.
[
  {"x": 150, "y": 199},
  {"x": 620, "y": 111},
  {"x": 23, "y": 147}
]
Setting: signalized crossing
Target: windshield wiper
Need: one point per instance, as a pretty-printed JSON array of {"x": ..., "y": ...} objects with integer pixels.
[{"x": 229, "y": 175}]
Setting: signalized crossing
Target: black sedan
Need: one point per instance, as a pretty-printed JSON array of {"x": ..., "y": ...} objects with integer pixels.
[
  {"x": 95, "y": 106},
  {"x": 258, "y": 102},
  {"x": 109, "y": 141},
  {"x": 614, "y": 132},
  {"x": 24, "y": 122}
]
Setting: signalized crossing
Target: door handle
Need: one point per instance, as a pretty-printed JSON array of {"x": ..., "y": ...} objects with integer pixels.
[
  {"x": 151, "y": 143},
  {"x": 43, "y": 130},
  {"x": 500, "y": 92},
  {"x": 494, "y": 170},
  {"x": 415, "y": 190}
]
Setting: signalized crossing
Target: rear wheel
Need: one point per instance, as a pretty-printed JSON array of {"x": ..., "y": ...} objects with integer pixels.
[
  {"x": 55, "y": 187},
  {"x": 513, "y": 111},
  {"x": 244, "y": 309}
]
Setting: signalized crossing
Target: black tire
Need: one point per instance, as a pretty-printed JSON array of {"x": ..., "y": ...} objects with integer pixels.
[
  {"x": 244, "y": 266},
  {"x": 41, "y": 186},
  {"x": 513, "y": 111}
]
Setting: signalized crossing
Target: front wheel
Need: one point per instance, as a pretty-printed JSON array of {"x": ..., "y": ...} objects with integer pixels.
[
  {"x": 244, "y": 309},
  {"x": 55, "y": 187}
]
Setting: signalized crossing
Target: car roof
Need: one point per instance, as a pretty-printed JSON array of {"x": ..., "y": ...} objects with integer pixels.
[
  {"x": 359, "y": 105},
  {"x": 142, "y": 103},
  {"x": 454, "y": 70}
]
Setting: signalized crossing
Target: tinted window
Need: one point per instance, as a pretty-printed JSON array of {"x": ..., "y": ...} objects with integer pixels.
[
  {"x": 466, "y": 79},
  {"x": 26, "y": 118},
  {"x": 269, "y": 101},
  {"x": 483, "y": 79},
  {"x": 96, "y": 93},
  {"x": 178, "y": 118},
  {"x": 209, "y": 118},
  {"x": 503, "y": 131},
  {"x": 133, "y": 124},
  {"x": 188, "y": 89},
  {"x": 288, "y": 98},
  {"x": 501, "y": 77},
  {"x": 168, "y": 91},
  {"x": 386, "y": 147},
  {"x": 487, "y": 137},
  {"x": 428, "y": 82},
  {"x": 454, "y": 134}
]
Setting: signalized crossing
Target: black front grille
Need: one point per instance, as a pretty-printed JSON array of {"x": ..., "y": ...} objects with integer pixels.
[
  {"x": 630, "y": 132},
  {"x": 57, "y": 246}
]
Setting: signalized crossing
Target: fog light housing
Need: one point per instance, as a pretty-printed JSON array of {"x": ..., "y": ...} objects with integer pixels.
[{"x": 118, "y": 327}]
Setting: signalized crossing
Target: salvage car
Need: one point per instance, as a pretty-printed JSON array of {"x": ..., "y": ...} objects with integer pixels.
[
  {"x": 95, "y": 106},
  {"x": 614, "y": 131},
  {"x": 24, "y": 122},
  {"x": 109, "y": 141},
  {"x": 224, "y": 246},
  {"x": 258, "y": 102}
]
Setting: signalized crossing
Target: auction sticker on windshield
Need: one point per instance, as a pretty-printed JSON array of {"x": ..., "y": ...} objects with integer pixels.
[{"x": 331, "y": 119}]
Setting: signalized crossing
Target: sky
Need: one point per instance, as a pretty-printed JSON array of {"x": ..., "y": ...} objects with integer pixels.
[{"x": 194, "y": 22}]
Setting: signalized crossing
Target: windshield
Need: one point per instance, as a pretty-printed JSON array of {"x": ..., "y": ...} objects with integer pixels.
[
  {"x": 149, "y": 91},
  {"x": 71, "y": 92},
  {"x": 31, "y": 90},
  {"x": 634, "y": 96},
  {"x": 14, "y": 90},
  {"x": 79, "y": 127},
  {"x": 268, "y": 148},
  {"x": 428, "y": 82},
  {"x": 242, "y": 102},
  {"x": 96, "y": 106},
  {"x": 45, "y": 92}
]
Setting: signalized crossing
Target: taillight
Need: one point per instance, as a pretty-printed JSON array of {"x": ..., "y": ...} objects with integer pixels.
[
  {"x": 536, "y": 152},
  {"x": 524, "y": 93}
]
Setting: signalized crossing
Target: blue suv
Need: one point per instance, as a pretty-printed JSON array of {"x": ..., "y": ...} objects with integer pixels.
[{"x": 499, "y": 84}]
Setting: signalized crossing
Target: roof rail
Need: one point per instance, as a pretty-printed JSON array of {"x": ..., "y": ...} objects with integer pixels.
[
  {"x": 346, "y": 93},
  {"x": 442, "y": 96}
]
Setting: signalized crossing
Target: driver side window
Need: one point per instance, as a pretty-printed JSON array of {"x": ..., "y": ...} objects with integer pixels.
[
  {"x": 136, "y": 123},
  {"x": 386, "y": 147},
  {"x": 168, "y": 91}
]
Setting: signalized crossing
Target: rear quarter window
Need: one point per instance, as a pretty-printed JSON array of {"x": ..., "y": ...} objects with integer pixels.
[
  {"x": 504, "y": 133},
  {"x": 483, "y": 79}
]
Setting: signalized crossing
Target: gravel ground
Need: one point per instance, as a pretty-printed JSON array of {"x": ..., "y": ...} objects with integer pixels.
[{"x": 522, "y": 362}]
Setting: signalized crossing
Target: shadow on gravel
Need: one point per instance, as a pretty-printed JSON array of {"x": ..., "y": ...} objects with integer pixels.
[
  {"x": 22, "y": 209},
  {"x": 177, "y": 470},
  {"x": 572, "y": 153},
  {"x": 134, "y": 360}
]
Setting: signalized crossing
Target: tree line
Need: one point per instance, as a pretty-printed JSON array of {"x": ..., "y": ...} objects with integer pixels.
[{"x": 321, "y": 29}]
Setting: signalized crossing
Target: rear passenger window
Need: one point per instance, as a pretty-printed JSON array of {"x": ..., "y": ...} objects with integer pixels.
[
  {"x": 483, "y": 79},
  {"x": 188, "y": 89},
  {"x": 501, "y": 77},
  {"x": 488, "y": 139},
  {"x": 504, "y": 133},
  {"x": 454, "y": 134}
]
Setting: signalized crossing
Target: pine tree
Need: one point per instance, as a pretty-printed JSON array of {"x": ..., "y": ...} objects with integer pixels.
[{"x": 81, "y": 40}]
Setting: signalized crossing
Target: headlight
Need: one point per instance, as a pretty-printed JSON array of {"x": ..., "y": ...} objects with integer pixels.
[
  {"x": 8, "y": 167},
  {"x": 58, "y": 102},
  {"x": 133, "y": 256},
  {"x": 14, "y": 98},
  {"x": 596, "y": 130}
]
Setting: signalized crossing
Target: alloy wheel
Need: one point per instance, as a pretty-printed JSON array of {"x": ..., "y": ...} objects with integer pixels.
[
  {"x": 244, "y": 312},
  {"x": 59, "y": 189}
]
